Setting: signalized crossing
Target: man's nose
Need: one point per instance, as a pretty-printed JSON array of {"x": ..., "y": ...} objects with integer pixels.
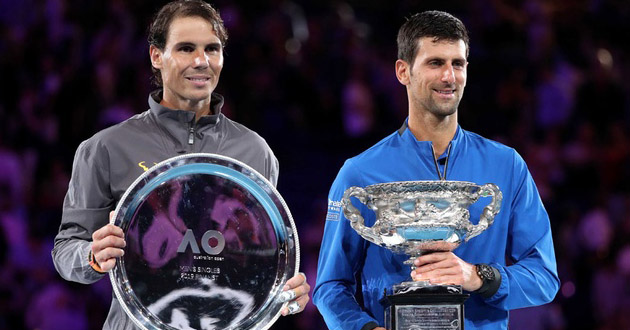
[
  {"x": 201, "y": 59},
  {"x": 449, "y": 74}
]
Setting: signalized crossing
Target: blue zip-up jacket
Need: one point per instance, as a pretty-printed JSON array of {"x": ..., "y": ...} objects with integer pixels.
[{"x": 518, "y": 243}]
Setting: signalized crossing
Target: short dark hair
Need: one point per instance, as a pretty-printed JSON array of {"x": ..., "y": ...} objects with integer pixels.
[
  {"x": 158, "y": 30},
  {"x": 434, "y": 24}
]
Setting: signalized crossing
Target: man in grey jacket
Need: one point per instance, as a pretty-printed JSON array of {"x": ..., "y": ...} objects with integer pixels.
[{"x": 186, "y": 50}]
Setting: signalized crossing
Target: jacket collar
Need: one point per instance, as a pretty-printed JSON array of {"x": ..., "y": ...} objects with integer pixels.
[
  {"x": 457, "y": 140},
  {"x": 158, "y": 110}
]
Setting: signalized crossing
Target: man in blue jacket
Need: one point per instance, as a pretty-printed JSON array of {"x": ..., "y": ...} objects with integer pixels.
[{"x": 510, "y": 265}]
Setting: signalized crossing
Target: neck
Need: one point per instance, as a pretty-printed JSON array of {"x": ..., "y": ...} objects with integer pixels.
[
  {"x": 200, "y": 108},
  {"x": 439, "y": 130}
]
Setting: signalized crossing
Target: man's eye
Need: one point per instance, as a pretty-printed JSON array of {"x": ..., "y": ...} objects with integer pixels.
[{"x": 186, "y": 49}]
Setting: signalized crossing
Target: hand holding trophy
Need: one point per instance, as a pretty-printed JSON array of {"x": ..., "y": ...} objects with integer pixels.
[{"x": 415, "y": 218}]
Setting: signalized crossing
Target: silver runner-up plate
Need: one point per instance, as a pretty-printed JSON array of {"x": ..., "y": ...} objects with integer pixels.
[{"x": 210, "y": 245}]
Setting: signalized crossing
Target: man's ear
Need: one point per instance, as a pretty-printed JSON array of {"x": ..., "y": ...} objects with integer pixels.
[
  {"x": 403, "y": 71},
  {"x": 156, "y": 57}
]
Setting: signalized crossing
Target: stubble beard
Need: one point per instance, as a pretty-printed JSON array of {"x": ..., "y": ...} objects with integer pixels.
[{"x": 441, "y": 109}]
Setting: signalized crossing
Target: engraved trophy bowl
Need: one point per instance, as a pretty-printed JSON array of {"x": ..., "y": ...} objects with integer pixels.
[
  {"x": 210, "y": 245},
  {"x": 417, "y": 217}
]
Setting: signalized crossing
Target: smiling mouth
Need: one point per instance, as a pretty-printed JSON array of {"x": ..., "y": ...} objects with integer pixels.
[
  {"x": 198, "y": 79},
  {"x": 445, "y": 92}
]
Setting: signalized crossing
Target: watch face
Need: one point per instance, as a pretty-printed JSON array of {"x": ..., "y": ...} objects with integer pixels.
[
  {"x": 485, "y": 272},
  {"x": 210, "y": 244}
]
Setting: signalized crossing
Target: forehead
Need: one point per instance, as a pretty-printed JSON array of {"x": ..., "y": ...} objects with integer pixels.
[
  {"x": 448, "y": 49},
  {"x": 191, "y": 29}
]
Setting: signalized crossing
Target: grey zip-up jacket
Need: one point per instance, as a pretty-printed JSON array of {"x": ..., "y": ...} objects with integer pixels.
[{"x": 106, "y": 164}]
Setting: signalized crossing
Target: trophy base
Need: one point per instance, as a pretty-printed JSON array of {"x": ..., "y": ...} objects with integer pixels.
[
  {"x": 425, "y": 286},
  {"x": 435, "y": 307}
]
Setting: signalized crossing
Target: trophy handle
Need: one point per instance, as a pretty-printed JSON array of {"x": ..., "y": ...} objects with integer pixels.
[
  {"x": 357, "y": 222},
  {"x": 490, "y": 211}
]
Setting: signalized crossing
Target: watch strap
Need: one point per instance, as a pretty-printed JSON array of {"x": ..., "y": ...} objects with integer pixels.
[
  {"x": 369, "y": 326},
  {"x": 93, "y": 263},
  {"x": 490, "y": 284}
]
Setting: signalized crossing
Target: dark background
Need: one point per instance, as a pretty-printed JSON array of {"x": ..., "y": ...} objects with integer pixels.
[{"x": 316, "y": 80}]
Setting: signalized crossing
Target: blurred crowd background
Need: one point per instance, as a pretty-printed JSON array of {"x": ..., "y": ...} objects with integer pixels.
[{"x": 316, "y": 80}]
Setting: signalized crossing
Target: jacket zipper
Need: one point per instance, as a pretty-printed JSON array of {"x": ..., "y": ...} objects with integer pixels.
[{"x": 191, "y": 134}]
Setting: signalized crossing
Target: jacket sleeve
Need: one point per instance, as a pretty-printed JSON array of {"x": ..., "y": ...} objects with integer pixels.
[
  {"x": 86, "y": 208},
  {"x": 341, "y": 255},
  {"x": 273, "y": 168},
  {"x": 532, "y": 278}
]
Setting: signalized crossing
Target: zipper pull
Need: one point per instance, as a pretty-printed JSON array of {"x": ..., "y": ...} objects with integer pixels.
[{"x": 191, "y": 134}]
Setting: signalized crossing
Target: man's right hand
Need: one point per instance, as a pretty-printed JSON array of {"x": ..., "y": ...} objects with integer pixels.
[{"x": 107, "y": 245}]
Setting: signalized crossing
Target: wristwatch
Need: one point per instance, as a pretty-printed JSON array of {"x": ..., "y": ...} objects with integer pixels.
[
  {"x": 485, "y": 273},
  {"x": 490, "y": 280},
  {"x": 93, "y": 263}
]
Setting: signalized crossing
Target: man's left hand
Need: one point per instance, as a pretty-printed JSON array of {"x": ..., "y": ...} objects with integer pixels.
[
  {"x": 296, "y": 291},
  {"x": 446, "y": 268}
]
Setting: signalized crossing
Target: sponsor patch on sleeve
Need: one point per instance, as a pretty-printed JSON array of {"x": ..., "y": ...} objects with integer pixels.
[{"x": 334, "y": 210}]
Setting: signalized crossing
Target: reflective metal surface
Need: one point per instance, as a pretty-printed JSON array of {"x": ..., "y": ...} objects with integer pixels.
[
  {"x": 210, "y": 244},
  {"x": 413, "y": 217}
]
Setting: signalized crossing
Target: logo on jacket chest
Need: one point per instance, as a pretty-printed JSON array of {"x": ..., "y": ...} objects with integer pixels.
[
  {"x": 334, "y": 210},
  {"x": 143, "y": 165}
]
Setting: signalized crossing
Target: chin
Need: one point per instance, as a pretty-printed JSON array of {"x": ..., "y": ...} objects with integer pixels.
[
  {"x": 449, "y": 110},
  {"x": 444, "y": 112},
  {"x": 199, "y": 96}
]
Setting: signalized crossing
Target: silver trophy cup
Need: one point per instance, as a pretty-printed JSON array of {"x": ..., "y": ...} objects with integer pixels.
[{"x": 418, "y": 217}]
